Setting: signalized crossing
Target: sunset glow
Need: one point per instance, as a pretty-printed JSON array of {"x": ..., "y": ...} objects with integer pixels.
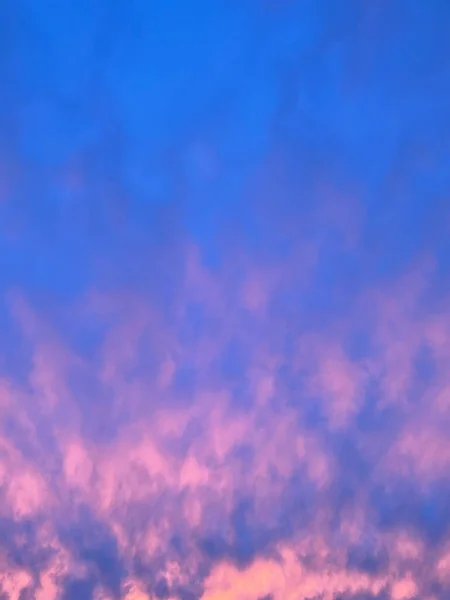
[{"x": 225, "y": 300}]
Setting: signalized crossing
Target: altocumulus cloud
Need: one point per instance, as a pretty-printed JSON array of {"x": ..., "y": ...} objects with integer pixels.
[{"x": 224, "y": 302}]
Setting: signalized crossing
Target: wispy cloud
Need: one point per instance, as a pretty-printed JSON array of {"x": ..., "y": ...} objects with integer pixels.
[{"x": 224, "y": 302}]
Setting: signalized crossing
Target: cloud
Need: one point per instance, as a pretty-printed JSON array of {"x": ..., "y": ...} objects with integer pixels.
[
  {"x": 224, "y": 303},
  {"x": 302, "y": 481}
]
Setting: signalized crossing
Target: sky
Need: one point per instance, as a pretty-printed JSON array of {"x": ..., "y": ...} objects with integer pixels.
[{"x": 224, "y": 300}]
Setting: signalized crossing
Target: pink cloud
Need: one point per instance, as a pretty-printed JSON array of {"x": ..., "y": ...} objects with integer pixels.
[{"x": 279, "y": 490}]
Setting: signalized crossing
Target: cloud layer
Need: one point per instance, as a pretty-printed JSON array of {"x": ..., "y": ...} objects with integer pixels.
[{"x": 224, "y": 302}]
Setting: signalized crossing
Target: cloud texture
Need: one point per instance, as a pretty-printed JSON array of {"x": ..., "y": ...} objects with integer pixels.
[{"x": 224, "y": 311}]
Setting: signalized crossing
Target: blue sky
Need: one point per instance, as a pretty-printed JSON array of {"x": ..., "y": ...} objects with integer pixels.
[{"x": 224, "y": 279}]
